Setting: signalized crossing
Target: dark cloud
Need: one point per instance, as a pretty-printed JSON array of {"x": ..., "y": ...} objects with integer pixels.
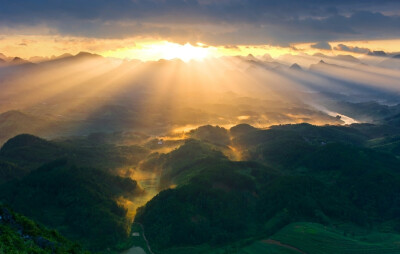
[
  {"x": 222, "y": 22},
  {"x": 322, "y": 45},
  {"x": 342, "y": 47},
  {"x": 378, "y": 53}
]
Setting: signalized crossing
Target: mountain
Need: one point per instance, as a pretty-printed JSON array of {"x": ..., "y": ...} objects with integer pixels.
[
  {"x": 392, "y": 63},
  {"x": 214, "y": 135},
  {"x": 348, "y": 58},
  {"x": 218, "y": 188},
  {"x": 22, "y": 235},
  {"x": 15, "y": 122},
  {"x": 368, "y": 111},
  {"x": 291, "y": 173},
  {"x": 295, "y": 66},
  {"x": 2, "y": 56},
  {"x": 15, "y": 62},
  {"x": 68, "y": 60},
  {"x": 79, "y": 202},
  {"x": 323, "y": 66},
  {"x": 19, "y": 61},
  {"x": 29, "y": 152},
  {"x": 65, "y": 55},
  {"x": 83, "y": 54},
  {"x": 10, "y": 171}
]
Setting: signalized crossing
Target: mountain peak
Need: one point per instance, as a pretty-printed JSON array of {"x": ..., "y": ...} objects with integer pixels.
[
  {"x": 86, "y": 54},
  {"x": 18, "y": 60},
  {"x": 21, "y": 141},
  {"x": 295, "y": 66}
]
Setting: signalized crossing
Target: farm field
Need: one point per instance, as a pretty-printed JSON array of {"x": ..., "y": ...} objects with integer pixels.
[{"x": 315, "y": 238}]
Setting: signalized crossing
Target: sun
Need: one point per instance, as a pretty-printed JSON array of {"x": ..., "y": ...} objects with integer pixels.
[
  {"x": 153, "y": 51},
  {"x": 186, "y": 52}
]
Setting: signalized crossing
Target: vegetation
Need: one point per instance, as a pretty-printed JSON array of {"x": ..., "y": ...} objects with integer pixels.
[
  {"x": 79, "y": 202},
  {"x": 214, "y": 135},
  {"x": 303, "y": 173},
  {"x": 29, "y": 152},
  {"x": 303, "y": 236},
  {"x": 321, "y": 176},
  {"x": 9, "y": 171},
  {"x": 21, "y": 235}
]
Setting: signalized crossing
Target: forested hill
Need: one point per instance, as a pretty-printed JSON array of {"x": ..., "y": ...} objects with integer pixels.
[
  {"x": 333, "y": 175},
  {"x": 219, "y": 189},
  {"x": 21, "y": 235}
]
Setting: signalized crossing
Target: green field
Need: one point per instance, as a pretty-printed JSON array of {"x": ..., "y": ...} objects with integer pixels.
[
  {"x": 315, "y": 238},
  {"x": 263, "y": 247},
  {"x": 310, "y": 238}
]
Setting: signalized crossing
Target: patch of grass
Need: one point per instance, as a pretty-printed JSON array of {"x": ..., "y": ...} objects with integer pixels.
[
  {"x": 316, "y": 238},
  {"x": 261, "y": 248}
]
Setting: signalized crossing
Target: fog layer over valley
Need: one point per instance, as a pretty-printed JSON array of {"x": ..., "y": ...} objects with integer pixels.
[{"x": 86, "y": 93}]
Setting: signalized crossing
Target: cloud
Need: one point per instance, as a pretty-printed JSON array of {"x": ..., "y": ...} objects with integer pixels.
[
  {"x": 215, "y": 22},
  {"x": 321, "y": 45},
  {"x": 232, "y": 47},
  {"x": 342, "y": 47}
]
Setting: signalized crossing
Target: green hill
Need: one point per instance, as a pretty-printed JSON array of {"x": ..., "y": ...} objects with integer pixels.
[
  {"x": 29, "y": 152},
  {"x": 298, "y": 173},
  {"x": 23, "y": 236},
  {"x": 79, "y": 202}
]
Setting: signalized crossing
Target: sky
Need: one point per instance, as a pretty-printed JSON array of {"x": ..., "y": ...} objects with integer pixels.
[{"x": 144, "y": 28}]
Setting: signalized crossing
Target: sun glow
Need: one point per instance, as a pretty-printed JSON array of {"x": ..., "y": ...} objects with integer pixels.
[
  {"x": 187, "y": 52},
  {"x": 163, "y": 50}
]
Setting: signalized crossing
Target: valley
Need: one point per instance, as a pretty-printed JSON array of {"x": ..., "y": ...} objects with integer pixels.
[{"x": 237, "y": 154}]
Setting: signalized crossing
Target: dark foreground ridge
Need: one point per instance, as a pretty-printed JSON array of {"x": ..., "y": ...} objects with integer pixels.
[{"x": 334, "y": 185}]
